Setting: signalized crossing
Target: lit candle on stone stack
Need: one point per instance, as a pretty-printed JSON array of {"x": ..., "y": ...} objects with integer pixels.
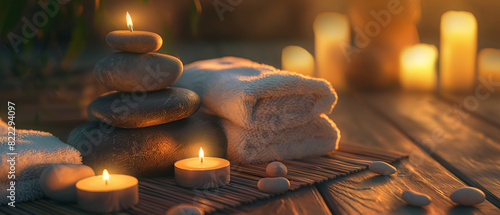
[
  {"x": 107, "y": 192},
  {"x": 297, "y": 59},
  {"x": 202, "y": 172},
  {"x": 332, "y": 37},
  {"x": 418, "y": 68},
  {"x": 458, "y": 51},
  {"x": 134, "y": 41},
  {"x": 137, "y": 67},
  {"x": 489, "y": 65}
]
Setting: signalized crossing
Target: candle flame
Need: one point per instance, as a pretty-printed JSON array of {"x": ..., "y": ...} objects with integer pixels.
[
  {"x": 201, "y": 154},
  {"x": 105, "y": 176},
  {"x": 130, "y": 25}
]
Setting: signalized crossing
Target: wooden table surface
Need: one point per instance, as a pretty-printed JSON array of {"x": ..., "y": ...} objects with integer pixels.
[
  {"x": 453, "y": 140},
  {"x": 448, "y": 149}
]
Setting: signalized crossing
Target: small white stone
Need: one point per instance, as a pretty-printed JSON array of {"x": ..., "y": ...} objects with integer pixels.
[
  {"x": 382, "y": 168},
  {"x": 276, "y": 169},
  {"x": 273, "y": 185},
  {"x": 185, "y": 209},
  {"x": 415, "y": 198},
  {"x": 58, "y": 181},
  {"x": 468, "y": 196}
]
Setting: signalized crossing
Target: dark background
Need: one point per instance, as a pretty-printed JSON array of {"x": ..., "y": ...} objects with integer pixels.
[{"x": 50, "y": 77}]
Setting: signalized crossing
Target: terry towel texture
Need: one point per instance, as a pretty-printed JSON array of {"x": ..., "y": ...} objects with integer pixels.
[
  {"x": 35, "y": 150},
  {"x": 257, "y": 96},
  {"x": 267, "y": 114},
  {"x": 316, "y": 137}
]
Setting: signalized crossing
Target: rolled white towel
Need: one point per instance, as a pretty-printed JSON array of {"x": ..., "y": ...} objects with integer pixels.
[
  {"x": 316, "y": 137},
  {"x": 257, "y": 96},
  {"x": 35, "y": 150}
]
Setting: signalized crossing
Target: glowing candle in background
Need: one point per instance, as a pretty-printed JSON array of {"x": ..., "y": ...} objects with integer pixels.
[
  {"x": 381, "y": 30},
  {"x": 332, "y": 37},
  {"x": 297, "y": 59},
  {"x": 489, "y": 64},
  {"x": 458, "y": 51},
  {"x": 418, "y": 68}
]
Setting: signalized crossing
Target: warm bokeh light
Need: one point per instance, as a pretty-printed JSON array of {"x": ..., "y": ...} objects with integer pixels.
[
  {"x": 201, "y": 155},
  {"x": 332, "y": 25},
  {"x": 297, "y": 59},
  {"x": 418, "y": 68},
  {"x": 458, "y": 51},
  {"x": 130, "y": 25},
  {"x": 105, "y": 176},
  {"x": 332, "y": 37},
  {"x": 489, "y": 64}
]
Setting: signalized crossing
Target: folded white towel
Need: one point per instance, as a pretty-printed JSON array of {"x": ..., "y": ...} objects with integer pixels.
[
  {"x": 316, "y": 137},
  {"x": 35, "y": 150},
  {"x": 267, "y": 114},
  {"x": 257, "y": 96}
]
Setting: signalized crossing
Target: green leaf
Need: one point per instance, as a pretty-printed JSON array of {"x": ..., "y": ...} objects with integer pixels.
[
  {"x": 166, "y": 48},
  {"x": 77, "y": 43},
  {"x": 194, "y": 17}
]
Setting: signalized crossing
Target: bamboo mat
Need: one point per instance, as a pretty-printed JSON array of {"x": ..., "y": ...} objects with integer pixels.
[{"x": 158, "y": 194}]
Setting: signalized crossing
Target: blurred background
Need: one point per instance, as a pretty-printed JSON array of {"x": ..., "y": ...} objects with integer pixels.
[{"x": 48, "y": 72}]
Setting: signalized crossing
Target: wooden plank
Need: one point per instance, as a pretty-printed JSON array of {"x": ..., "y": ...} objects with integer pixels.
[
  {"x": 306, "y": 200},
  {"x": 366, "y": 193},
  {"x": 486, "y": 107},
  {"x": 464, "y": 144}
]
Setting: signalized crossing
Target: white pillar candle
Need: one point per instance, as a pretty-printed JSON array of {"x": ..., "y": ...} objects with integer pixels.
[
  {"x": 458, "y": 51},
  {"x": 418, "y": 68},
  {"x": 297, "y": 59},
  {"x": 489, "y": 65},
  {"x": 202, "y": 172},
  {"x": 107, "y": 193},
  {"x": 332, "y": 37}
]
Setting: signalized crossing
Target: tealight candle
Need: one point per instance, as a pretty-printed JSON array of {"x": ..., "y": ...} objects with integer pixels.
[
  {"x": 107, "y": 192},
  {"x": 489, "y": 65},
  {"x": 418, "y": 68},
  {"x": 134, "y": 41},
  {"x": 202, "y": 172},
  {"x": 458, "y": 51},
  {"x": 331, "y": 39},
  {"x": 297, "y": 59}
]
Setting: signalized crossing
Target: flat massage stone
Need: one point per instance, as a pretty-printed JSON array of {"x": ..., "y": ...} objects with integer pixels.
[
  {"x": 137, "y": 41},
  {"x": 148, "y": 151},
  {"x": 137, "y": 110},
  {"x": 133, "y": 72}
]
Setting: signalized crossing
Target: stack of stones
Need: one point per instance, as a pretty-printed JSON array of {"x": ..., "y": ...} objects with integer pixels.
[{"x": 146, "y": 126}]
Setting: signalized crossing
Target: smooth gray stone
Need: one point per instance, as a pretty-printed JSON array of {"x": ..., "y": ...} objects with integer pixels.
[
  {"x": 143, "y": 109},
  {"x": 58, "y": 180},
  {"x": 137, "y": 41},
  {"x": 147, "y": 151},
  {"x": 185, "y": 209},
  {"x": 468, "y": 196},
  {"x": 276, "y": 169},
  {"x": 132, "y": 72}
]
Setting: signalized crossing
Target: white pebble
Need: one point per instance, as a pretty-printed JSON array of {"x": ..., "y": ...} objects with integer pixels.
[
  {"x": 416, "y": 198},
  {"x": 276, "y": 169},
  {"x": 58, "y": 181},
  {"x": 382, "y": 168},
  {"x": 273, "y": 185},
  {"x": 185, "y": 209},
  {"x": 468, "y": 196}
]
